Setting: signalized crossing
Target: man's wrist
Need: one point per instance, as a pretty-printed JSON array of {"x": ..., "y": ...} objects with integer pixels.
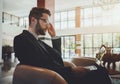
[{"x": 55, "y": 37}]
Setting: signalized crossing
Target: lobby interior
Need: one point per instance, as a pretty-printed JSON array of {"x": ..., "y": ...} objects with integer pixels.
[{"x": 83, "y": 26}]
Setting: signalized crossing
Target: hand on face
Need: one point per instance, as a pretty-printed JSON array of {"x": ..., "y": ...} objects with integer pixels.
[{"x": 51, "y": 30}]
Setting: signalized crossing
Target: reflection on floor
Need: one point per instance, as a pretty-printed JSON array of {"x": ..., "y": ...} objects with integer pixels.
[{"x": 6, "y": 75}]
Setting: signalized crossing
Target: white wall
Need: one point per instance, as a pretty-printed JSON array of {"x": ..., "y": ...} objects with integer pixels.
[
  {"x": 1, "y": 9},
  {"x": 9, "y": 32}
]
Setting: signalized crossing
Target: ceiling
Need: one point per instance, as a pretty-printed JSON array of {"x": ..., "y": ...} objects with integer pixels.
[{"x": 22, "y": 7}]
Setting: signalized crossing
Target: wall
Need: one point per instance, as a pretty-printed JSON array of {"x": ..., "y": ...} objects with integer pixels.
[
  {"x": 1, "y": 9},
  {"x": 9, "y": 32}
]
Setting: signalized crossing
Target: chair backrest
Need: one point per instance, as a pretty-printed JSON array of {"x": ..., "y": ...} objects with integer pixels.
[
  {"x": 83, "y": 61},
  {"x": 25, "y": 74}
]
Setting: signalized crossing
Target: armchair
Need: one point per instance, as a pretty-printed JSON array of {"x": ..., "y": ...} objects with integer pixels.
[
  {"x": 83, "y": 61},
  {"x": 25, "y": 74}
]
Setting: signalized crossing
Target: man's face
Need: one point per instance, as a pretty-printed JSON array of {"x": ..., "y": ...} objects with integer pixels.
[{"x": 42, "y": 24}]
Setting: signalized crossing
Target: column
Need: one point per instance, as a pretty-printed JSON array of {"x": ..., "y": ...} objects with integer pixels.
[
  {"x": 78, "y": 36},
  {"x": 49, "y": 5},
  {"x": 1, "y": 10}
]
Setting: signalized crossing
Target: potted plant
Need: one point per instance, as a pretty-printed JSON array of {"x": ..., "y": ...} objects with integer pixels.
[{"x": 6, "y": 56}]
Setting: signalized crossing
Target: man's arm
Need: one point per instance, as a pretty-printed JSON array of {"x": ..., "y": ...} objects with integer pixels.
[{"x": 56, "y": 42}]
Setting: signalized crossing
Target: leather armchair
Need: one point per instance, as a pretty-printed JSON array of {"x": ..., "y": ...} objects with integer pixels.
[
  {"x": 83, "y": 61},
  {"x": 25, "y": 74}
]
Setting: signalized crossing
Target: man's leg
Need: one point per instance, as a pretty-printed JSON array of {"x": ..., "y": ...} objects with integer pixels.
[{"x": 99, "y": 76}]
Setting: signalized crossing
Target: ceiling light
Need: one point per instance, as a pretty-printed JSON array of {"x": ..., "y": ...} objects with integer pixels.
[{"x": 106, "y": 4}]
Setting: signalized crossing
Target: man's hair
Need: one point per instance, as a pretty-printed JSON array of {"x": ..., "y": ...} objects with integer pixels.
[{"x": 37, "y": 13}]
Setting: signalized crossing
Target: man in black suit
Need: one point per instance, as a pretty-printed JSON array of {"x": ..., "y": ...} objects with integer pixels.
[{"x": 30, "y": 50}]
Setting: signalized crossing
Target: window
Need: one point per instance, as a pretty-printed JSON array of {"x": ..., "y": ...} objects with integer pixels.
[
  {"x": 68, "y": 47},
  {"x": 92, "y": 43},
  {"x": 65, "y": 19}
]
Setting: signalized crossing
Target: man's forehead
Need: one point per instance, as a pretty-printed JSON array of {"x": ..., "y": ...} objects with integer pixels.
[{"x": 45, "y": 15}]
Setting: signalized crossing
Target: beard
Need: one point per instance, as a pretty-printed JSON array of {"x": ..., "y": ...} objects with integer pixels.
[{"x": 39, "y": 30}]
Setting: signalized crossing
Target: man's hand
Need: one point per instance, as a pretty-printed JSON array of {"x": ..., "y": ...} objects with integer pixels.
[
  {"x": 51, "y": 30},
  {"x": 79, "y": 71}
]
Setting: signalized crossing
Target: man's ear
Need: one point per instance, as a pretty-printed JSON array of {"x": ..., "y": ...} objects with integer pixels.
[{"x": 33, "y": 20}]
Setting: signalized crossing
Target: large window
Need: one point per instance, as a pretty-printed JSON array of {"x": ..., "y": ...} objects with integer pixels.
[
  {"x": 97, "y": 16},
  {"x": 65, "y": 19},
  {"x": 68, "y": 47},
  {"x": 92, "y": 43}
]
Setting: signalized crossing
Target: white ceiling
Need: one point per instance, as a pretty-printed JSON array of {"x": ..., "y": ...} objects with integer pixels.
[
  {"x": 22, "y": 7},
  {"x": 18, "y": 7}
]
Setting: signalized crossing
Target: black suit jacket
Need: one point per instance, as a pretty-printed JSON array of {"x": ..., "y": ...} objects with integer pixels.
[{"x": 30, "y": 51}]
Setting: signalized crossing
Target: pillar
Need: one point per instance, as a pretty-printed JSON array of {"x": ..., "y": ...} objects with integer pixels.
[
  {"x": 49, "y": 5},
  {"x": 78, "y": 36},
  {"x": 1, "y": 10}
]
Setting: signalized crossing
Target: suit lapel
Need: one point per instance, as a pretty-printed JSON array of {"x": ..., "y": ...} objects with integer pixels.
[{"x": 35, "y": 43}]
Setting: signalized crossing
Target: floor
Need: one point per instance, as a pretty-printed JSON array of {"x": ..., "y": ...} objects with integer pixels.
[{"x": 7, "y": 75}]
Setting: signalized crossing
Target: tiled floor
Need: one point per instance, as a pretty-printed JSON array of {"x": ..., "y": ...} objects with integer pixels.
[{"x": 6, "y": 75}]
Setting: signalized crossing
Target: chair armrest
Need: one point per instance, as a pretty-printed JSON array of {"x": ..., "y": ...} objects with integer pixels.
[
  {"x": 25, "y": 74},
  {"x": 69, "y": 64},
  {"x": 83, "y": 61}
]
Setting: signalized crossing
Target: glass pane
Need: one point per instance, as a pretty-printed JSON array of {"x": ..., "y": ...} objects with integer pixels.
[
  {"x": 26, "y": 22},
  {"x": 7, "y": 18},
  {"x": 97, "y": 40},
  {"x": 21, "y": 22},
  {"x": 82, "y": 13},
  {"x": 106, "y": 20},
  {"x": 88, "y": 41},
  {"x": 107, "y": 39},
  {"x": 72, "y": 42},
  {"x": 88, "y": 22},
  {"x": 71, "y": 24},
  {"x": 116, "y": 43},
  {"x": 57, "y": 16},
  {"x": 95, "y": 51},
  {"x": 116, "y": 19},
  {"x": 72, "y": 53},
  {"x": 97, "y": 11},
  {"x": 87, "y": 12},
  {"x": 63, "y": 16},
  {"x": 71, "y": 14},
  {"x": 57, "y": 25},
  {"x": 15, "y": 21},
  {"x": 97, "y": 21},
  {"x": 82, "y": 22},
  {"x": 64, "y": 25},
  {"x": 68, "y": 47},
  {"x": 88, "y": 52},
  {"x": 116, "y": 40}
]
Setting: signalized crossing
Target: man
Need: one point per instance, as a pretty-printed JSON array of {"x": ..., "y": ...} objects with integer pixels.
[{"x": 32, "y": 51}]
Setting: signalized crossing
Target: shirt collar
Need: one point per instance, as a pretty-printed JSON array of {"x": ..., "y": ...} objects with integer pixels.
[{"x": 33, "y": 34}]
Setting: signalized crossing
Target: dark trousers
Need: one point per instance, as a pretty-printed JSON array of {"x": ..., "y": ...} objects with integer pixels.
[{"x": 99, "y": 76}]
